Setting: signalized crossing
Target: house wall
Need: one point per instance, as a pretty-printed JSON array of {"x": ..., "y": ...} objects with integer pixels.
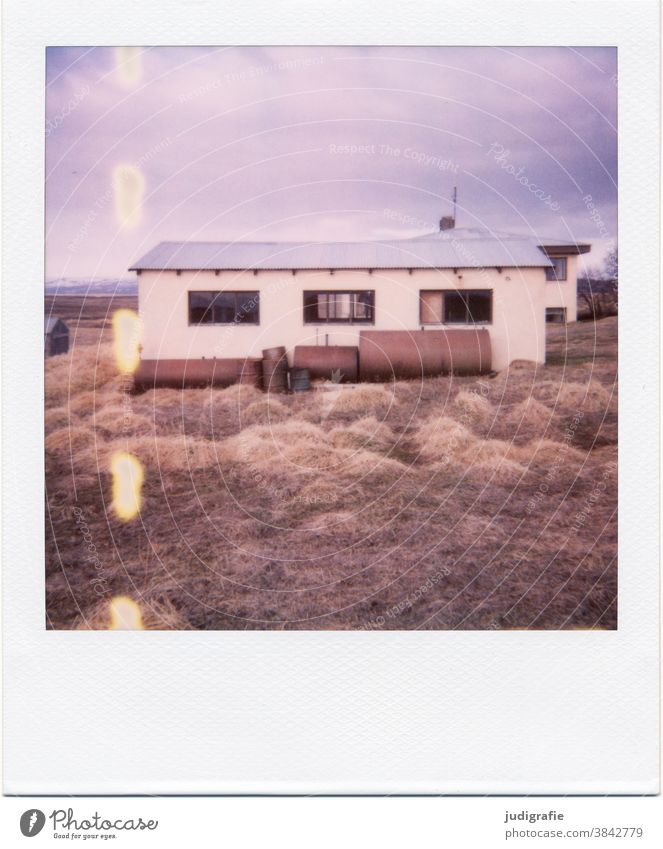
[
  {"x": 517, "y": 330},
  {"x": 564, "y": 293}
]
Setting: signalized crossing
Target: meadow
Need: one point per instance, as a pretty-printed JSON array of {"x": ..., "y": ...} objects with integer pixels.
[{"x": 445, "y": 503}]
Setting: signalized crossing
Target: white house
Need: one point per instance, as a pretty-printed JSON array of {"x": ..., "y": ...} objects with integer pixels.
[{"x": 458, "y": 299}]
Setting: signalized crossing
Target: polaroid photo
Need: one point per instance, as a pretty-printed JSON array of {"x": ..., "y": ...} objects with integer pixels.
[{"x": 343, "y": 478}]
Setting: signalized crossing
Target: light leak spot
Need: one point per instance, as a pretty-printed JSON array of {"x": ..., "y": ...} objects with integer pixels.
[
  {"x": 128, "y": 190},
  {"x": 128, "y": 477},
  {"x": 125, "y": 615},
  {"x": 127, "y": 329},
  {"x": 129, "y": 64}
]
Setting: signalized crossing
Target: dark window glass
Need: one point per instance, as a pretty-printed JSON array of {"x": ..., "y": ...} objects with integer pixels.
[
  {"x": 247, "y": 306},
  {"x": 311, "y": 300},
  {"x": 479, "y": 306},
  {"x": 224, "y": 308},
  {"x": 200, "y": 307},
  {"x": 364, "y": 306},
  {"x": 558, "y": 271},
  {"x": 468, "y": 307},
  {"x": 339, "y": 307},
  {"x": 455, "y": 308}
]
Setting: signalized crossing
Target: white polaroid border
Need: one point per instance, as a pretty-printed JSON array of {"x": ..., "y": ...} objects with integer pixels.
[{"x": 330, "y": 712}]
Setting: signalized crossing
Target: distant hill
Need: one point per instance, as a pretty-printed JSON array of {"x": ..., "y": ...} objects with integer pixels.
[{"x": 91, "y": 286}]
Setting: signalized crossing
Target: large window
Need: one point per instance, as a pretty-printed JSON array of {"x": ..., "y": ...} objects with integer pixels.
[
  {"x": 224, "y": 308},
  {"x": 454, "y": 307},
  {"x": 339, "y": 307},
  {"x": 558, "y": 271}
]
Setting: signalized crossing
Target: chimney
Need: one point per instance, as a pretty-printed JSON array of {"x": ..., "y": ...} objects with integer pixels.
[{"x": 448, "y": 222}]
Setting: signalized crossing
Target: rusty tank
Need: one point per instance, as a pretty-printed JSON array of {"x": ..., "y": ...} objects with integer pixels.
[
  {"x": 178, "y": 374},
  {"x": 329, "y": 362},
  {"x": 407, "y": 354}
]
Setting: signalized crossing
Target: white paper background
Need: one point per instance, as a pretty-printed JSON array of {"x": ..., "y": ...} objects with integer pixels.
[{"x": 479, "y": 712}]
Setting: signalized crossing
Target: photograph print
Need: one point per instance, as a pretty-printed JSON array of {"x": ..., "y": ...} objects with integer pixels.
[{"x": 330, "y": 338}]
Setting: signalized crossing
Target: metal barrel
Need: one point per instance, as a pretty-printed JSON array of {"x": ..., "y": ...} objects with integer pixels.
[
  {"x": 249, "y": 372},
  {"x": 274, "y": 353},
  {"x": 275, "y": 375},
  {"x": 300, "y": 379},
  {"x": 275, "y": 369}
]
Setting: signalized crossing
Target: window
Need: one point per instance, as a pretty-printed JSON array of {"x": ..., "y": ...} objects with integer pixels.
[
  {"x": 454, "y": 307},
  {"x": 224, "y": 308},
  {"x": 558, "y": 271},
  {"x": 556, "y": 315},
  {"x": 339, "y": 307}
]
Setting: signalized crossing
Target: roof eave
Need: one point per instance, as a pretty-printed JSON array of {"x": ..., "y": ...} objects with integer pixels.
[
  {"x": 347, "y": 267},
  {"x": 565, "y": 250}
]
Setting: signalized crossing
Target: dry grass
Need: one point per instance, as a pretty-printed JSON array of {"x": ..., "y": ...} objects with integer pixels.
[
  {"x": 117, "y": 419},
  {"x": 439, "y": 437},
  {"x": 69, "y": 440},
  {"x": 359, "y": 399},
  {"x": 590, "y": 396},
  {"x": 233, "y": 397},
  {"x": 164, "y": 454},
  {"x": 82, "y": 370},
  {"x": 365, "y": 433},
  {"x": 444, "y": 503},
  {"x": 56, "y": 418},
  {"x": 473, "y": 407},
  {"x": 267, "y": 410},
  {"x": 529, "y": 412},
  {"x": 300, "y": 447}
]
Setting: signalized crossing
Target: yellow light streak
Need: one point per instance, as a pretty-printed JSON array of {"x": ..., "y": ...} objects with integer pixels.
[
  {"x": 128, "y": 190},
  {"x": 125, "y": 615},
  {"x": 127, "y": 329},
  {"x": 128, "y": 477},
  {"x": 129, "y": 64}
]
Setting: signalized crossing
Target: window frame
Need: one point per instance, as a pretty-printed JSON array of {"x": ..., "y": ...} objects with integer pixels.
[
  {"x": 252, "y": 294},
  {"x": 352, "y": 319},
  {"x": 444, "y": 293},
  {"x": 551, "y": 273}
]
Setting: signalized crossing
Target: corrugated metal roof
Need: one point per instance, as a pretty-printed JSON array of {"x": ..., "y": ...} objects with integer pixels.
[
  {"x": 535, "y": 239},
  {"x": 459, "y": 248}
]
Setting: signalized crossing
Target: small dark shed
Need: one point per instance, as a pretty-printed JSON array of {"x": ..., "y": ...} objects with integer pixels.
[{"x": 56, "y": 336}]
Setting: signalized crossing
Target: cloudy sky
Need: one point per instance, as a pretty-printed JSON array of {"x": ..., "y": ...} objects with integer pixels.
[{"x": 322, "y": 143}]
